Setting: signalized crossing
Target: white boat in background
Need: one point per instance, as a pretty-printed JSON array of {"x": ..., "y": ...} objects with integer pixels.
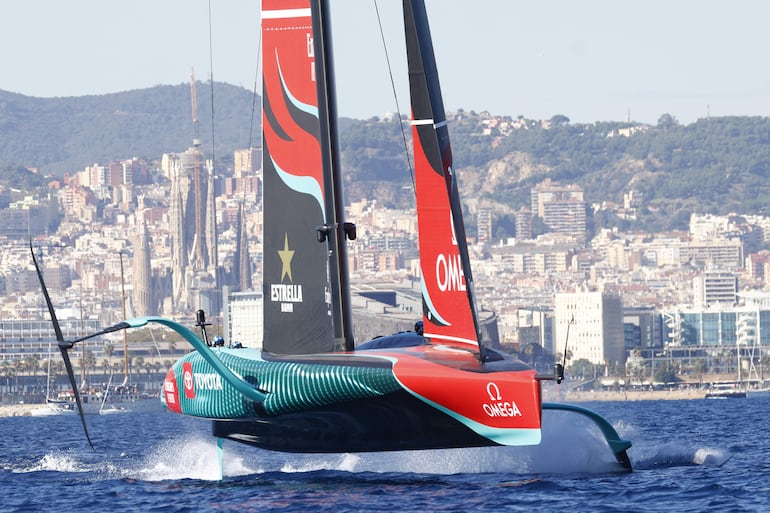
[
  {"x": 127, "y": 399},
  {"x": 121, "y": 399},
  {"x": 758, "y": 393}
]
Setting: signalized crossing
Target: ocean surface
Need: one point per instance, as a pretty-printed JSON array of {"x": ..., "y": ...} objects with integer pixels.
[{"x": 696, "y": 455}]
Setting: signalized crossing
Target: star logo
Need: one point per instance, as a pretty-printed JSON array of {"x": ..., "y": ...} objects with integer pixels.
[{"x": 286, "y": 255}]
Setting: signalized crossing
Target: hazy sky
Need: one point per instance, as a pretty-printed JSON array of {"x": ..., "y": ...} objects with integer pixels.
[{"x": 589, "y": 60}]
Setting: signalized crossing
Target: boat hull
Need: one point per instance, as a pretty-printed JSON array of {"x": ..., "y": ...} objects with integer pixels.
[
  {"x": 397, "y": 421},
  {"x": 423, "y": 397}
]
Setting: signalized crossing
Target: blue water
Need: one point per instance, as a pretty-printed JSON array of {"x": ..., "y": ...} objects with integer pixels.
[{"x": 699, "y": 455}]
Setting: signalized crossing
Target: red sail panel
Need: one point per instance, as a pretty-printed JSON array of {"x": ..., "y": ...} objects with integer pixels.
[
  {"x": 447, "y": 315},
  {"x": 295, "y": 266},
  {"x": 291, "y": 127},
  {"x": 448, "y": 302}
]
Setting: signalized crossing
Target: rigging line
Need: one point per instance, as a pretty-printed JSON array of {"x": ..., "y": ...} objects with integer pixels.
[
  {"x": 254, "y": 95},
  {"x": 211, "y": 74},
  {"x": 395, "y": 98}
]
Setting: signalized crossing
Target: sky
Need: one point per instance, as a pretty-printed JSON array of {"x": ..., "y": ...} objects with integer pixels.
[{"x": 592, "y": 60}]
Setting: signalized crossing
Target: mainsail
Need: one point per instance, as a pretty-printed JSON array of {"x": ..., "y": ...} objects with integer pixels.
[
  {"x": 307, "y": 307},
  {"x": 449, "y": 313},
  {"x": 295, "y": 283}
]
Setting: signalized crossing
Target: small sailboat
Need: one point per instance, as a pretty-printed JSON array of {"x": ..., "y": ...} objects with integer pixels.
[
  {"x": 310, "y": 388},
  {"x": 98, "y": 400}
]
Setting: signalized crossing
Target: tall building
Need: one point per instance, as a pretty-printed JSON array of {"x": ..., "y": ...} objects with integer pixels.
[
  {"x": 594, "y": 322},
  {"x": 484, "y": 226},
  {"x": 242, "y": 263},
  {"x": 246, "y": 168},
  {"x": 714, "y": 287},
  {"x": 243, "y": 317},
  {"x": 246, "y": 162},
  {"x": 561, "y": 207},
  {"x": 192, "y": 216},
  {"x": 142, "y": 277},
  {"x": 523, "y": 224}
]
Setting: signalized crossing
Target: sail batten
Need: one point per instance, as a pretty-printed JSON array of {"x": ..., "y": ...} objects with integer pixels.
[{"x": 285, "y": 13}]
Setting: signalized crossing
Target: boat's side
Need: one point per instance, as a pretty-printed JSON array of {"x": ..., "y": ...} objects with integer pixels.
[
  {"x": 726, "y": 394},
  {"x": 394, "y": 421},
  {"x": 390, "y": 399}
]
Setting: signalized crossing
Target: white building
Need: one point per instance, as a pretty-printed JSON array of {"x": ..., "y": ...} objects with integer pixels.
[
  {"x": 243, "y": 318},
  {"x": 595, "y": 323},
  {"x": 714, "y": 287}
]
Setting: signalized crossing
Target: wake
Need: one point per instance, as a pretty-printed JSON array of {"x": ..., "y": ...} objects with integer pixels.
[{"x": 569, "y": 446}]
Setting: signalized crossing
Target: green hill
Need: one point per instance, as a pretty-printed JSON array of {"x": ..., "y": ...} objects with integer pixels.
[
  {"x": 716, "y": 165},
  {"x": 61, "y": 135}
]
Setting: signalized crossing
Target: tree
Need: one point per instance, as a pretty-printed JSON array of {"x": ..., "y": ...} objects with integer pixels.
[
  {"x": 138, "y": 362},
  {"x": 109, "y": 350},
  {"x": 583, "y": 368},
  {"x": 88, "y": 361},
  {"x": 559, "y": 120},
  {"x": 31, "y": 364},
  {"x": 665, "y": 374},
  {"x": 666, "y": 121}
]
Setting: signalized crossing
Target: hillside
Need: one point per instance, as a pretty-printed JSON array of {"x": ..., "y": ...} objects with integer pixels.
[
  {"x": 716, "y": 165},
  {"x": 65, "y": 134}
]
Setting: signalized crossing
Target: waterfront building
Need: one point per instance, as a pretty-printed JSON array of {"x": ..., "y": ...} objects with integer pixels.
[
  {"x": 243, "y": 317},
  {"x": 595, "y": 324},
  {"x": 720, "y": 326}
]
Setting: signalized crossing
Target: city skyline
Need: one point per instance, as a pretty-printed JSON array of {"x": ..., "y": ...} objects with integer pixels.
[{"x": 590, "y": 61}]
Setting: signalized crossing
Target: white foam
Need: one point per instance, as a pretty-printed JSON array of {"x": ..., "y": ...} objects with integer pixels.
[
  {"x": 55, "y": 462},
  {"x": 190, "y": 458}
]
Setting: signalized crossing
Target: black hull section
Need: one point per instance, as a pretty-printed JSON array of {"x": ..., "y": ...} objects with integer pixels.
[{"x": 394, "y": 422}]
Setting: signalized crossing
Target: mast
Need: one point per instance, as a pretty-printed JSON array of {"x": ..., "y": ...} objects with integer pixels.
[{"x": 335, "y": 230}]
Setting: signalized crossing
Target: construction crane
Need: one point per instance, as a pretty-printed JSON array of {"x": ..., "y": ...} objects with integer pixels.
[
  {"x": 199, "y": 207},
  {"x": 196, "y": 138}
]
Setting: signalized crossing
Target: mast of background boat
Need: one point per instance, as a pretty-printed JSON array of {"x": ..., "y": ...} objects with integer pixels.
[
  {"x": 335, "y": 230},
  {"x": 125, "y": 337}
]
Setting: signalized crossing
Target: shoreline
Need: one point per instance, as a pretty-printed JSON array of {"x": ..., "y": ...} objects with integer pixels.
[
  {"x": 25, "y": 410},
  {"x": 625, "y": 395}
]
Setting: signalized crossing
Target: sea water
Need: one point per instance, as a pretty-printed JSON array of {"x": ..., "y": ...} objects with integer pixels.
[{"x": 688, "y": 456}]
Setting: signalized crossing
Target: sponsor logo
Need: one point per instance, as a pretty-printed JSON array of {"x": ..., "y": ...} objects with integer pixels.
[
  {"x": 171, "y": 392},
  {"x": 497, "y": 405},
  {"x": 449, "y": 268},
  {"x": 169, "y": 387},
  {"x": 286, "y": 294},
  {"x": 188, "y": 380},
  {"x": 449, "y": 273},
  {"x": 311, "y": 55},
  {"x": 208, "y": 381}
]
